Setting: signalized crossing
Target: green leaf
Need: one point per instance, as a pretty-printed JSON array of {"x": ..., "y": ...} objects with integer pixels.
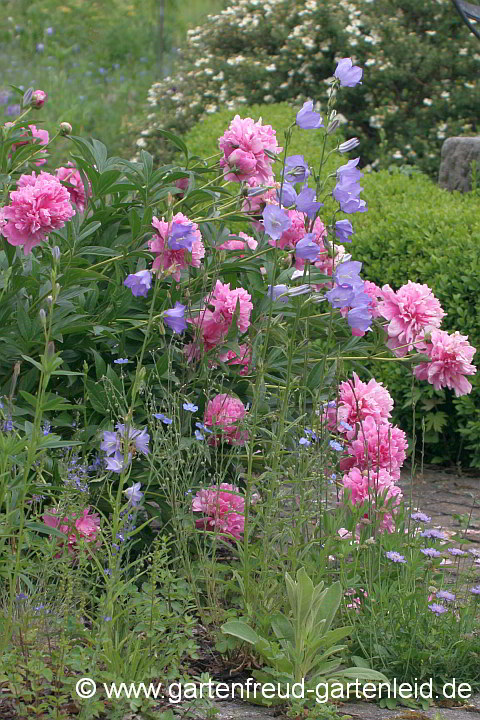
[
  {"x": 45, "y": 529},
  {"x": 176, "y": 141},
  {"x": 283, "y": 628},
  {"x": 241, "y": 630}
]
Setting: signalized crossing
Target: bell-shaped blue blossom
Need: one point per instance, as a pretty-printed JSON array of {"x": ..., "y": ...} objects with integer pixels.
[
  {"x": 277, "y": 292},
  {"x": 341, "y": 295},
  {"x": 165, "y": 420},
  {"x": 181, "y": 236},
  {"x": 139, "y": 282},
  {"x": 307, "y": 202},
  {"x": 348, "y": 272},
  {"x": 349, "y": 172},
  {"x": 360, "y": 316},
  {"x": 352, "y": 205},
  {"x": 348, "y": 145},
  {"x": 275, "y": 221},
  {"x": 175, "y": 318},
  {"x": 190, "y": 407},
  {"x": 307, "y": 249},
  {"x": 307, "y": 118},
  {"x": 133, "y": 493},
  {"x": 348, "y": 73},
  {"x": 343, "y": 230},
  {"x": 289, "y": 195},
  {"x": 296, "y": 169}
]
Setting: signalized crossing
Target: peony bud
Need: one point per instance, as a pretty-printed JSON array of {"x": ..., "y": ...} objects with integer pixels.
[
  {"x": 65, "y": 128},
  {"x": 38, "y": 99}
]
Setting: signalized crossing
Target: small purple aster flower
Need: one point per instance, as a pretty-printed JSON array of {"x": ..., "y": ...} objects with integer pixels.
[
  {"x": 431, "y": 552},
  {"x": 296, "y": 169},
  {"x": 474, "y": 552},
  {"x": 107, "y": 618},
  {"x": 175, "y": 318},
  {"x": 456, "y": 551},
  {"x": 121, "y": 361},
  {"x": 306, "y": 248},
  {"x": 346, "y": 425},
  {"x": 432, "y": 533},
  {"x": 310, "y": 432},
  {"x": 475, "y": 590},
  {"x": 22, "y": 596},
  {"x": 275, "y": 221},
  {"x": 165, "y": 420},
  {"x": 446, "y": 595},
  {"x": 190, "y": 407},
  {"x": 336, "y": 445},
  {"x": 307, "y": 118},
  {"x": 420, "y": 517},
  {"x": 395, "y": 557},
  {"x": 437, "y": 608},
  {"x": 139, "y": 283},
  {"x": 348, "y": 73},
  {"x": 304, "y": 441}
]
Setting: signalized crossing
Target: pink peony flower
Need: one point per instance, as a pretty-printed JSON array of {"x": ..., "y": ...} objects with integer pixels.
[
  {"x": 214, "y": 325},
  {"x": 365, "y": 486},
  {"x": 38, "y": 99},
  {"x": 243, "y": 146},
  {"x": 450, "y": 360},
  {"x": 224, "y": 508},
  {"x": 39, "y": 135},
  {"x": 377, "y": 445},
  {"x": 376, "y": 295},
  {"x": 244, "y": 358},
  {"x": 224, "y": 412},
  {"x": 410, "y": 310},
  {"x": 362, "y": 400},
  {"x": 38, "y": 206},
  {"x": 85, "y": 527},
  {"x": 174, "y": 260},
  {"x": 76, "y": 187},
  {"x": 237, "y": 244}
]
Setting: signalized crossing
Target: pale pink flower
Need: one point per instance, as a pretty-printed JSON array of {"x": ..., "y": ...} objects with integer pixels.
[
  {"x": 243, "y": 146},
  {"x": 410, "y": 310},
  {"x": 174, "y": 260},
  {"x": 378, "y": 444},
  {"x": 370, "y": 486},
  {"x": 450, "y": 360},
  {"x": 76, "y": 188},
  {"x": 361, "y": 399},
  {"x": 85, "y": 527},
  {"x": 223, "y": 507},
  {"x": 214, "y": 325},
  {"x": 225, "y": 412},
  {"x": 38, "y": 206},
  {"x": 239, "y": 244}
]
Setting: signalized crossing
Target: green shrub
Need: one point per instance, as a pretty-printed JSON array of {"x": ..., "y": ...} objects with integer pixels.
[
  {"x": 415, "y": 231},
  {"x": 419, "y": 86}
]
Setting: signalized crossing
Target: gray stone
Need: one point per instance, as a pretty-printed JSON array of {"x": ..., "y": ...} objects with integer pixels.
[{"x": 456, "y": 163}]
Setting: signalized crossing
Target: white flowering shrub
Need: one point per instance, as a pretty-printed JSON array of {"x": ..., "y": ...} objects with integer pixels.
[{"x": 420, "y": 85}]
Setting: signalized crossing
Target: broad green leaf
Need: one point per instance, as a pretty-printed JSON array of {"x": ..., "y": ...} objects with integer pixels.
[
  {"x": 241, "y": 630},
  {"x": 45, "y": 529}
]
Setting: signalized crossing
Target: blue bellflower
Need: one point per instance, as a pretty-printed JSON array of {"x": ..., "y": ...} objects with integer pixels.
[
  {"x": 175, "y": 318},
  {"x": 307, "y": 118}
]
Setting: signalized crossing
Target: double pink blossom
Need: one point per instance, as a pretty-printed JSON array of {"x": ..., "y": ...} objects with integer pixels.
[
  {"x": 223, "y": 508},
  {"x": 175, "y": 260},
  {"x": 378, "y": 444},
  {"x": 214, "y": 324},
  {"x": 39, "y": 205},
  {"x": 86, "y": 527},
  {"x": 410, "y": 311},
  {"x": 450, "y": 360},
  {"x": 244, "y": 145},
  {"x": 225, "y": 412},
  {"x": 76, "y": 188}
]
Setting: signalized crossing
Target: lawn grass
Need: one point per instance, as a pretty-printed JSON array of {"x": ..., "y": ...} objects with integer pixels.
[{"x": 96, "y": 61}]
